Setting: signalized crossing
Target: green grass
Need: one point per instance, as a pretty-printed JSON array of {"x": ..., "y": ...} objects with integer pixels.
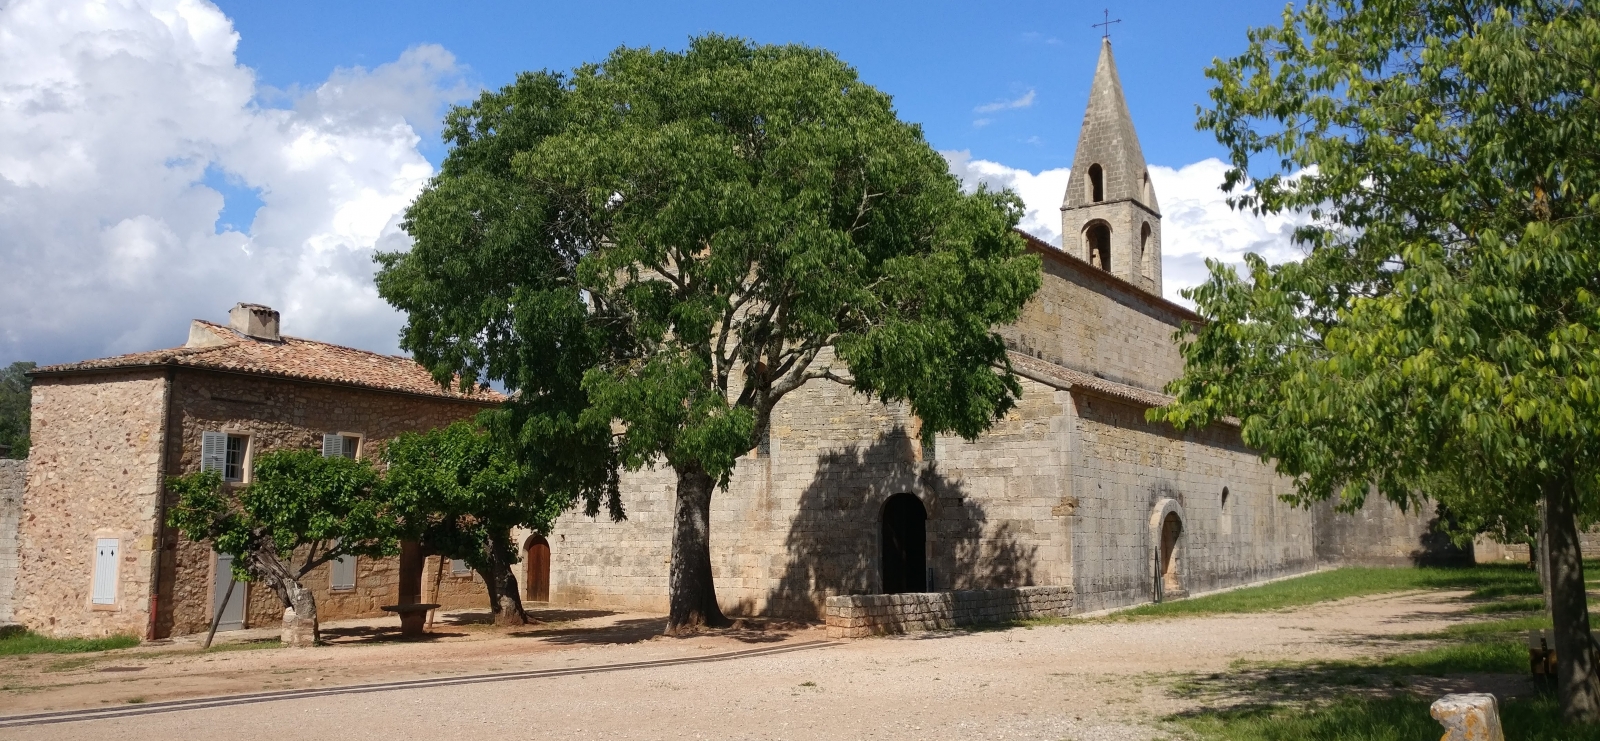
[
  {"x": 1535, "y": 604},
  {"x": 1397, "y": 718},
  {"x": 1370, "y": 700},
  {"x": 1486, "y": 582},
  {"x": 18, "y": 644}
]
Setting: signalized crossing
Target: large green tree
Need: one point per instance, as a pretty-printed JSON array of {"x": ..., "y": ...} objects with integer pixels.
[
  {"x": 692, "y": 236},
  {"x": 459, "y": 491},
  {"x": 299, "y": 511},
  {"x": 16, "y": 399},
  {"x": 1441, "y": 336}
]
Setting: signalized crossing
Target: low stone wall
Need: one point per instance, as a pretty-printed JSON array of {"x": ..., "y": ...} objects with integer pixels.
[
  {"x": 13, "y": 474},
  {"x": 862, "y": 615}
]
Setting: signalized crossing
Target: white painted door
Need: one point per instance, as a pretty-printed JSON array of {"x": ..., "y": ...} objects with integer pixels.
[{"x": 233, "y": 614}]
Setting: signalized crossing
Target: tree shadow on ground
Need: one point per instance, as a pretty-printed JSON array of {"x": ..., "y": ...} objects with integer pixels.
[
  {"x": 373, "y": 634},
  {"x": 622, "y": 631},
  {"x": 834, "y": 540}
]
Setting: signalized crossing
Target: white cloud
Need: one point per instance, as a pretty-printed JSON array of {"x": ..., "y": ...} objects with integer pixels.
[
  {"x": 1023, "y": 102},
  {"x": 1040, "y": 192},
  {"x": 111, "y": 115},
  {"x": 1196, "y": 221}
]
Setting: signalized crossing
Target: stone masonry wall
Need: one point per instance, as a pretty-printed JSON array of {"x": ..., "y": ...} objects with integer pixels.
[
  {"x": 1379, "y": 534},
  {"x": 93, "y": 473},
  {"x": 279, "y": 414},
  {"x": 13, "y": 478},
  {"x": 1083, "y": 321},
  {"x": 801, "y": 522},
  {"x": 1128, "y": 467},
  {"x": 859, "y": 616}
]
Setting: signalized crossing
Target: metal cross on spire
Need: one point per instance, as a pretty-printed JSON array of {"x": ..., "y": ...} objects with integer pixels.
[{"x": 1106, "y": 24}]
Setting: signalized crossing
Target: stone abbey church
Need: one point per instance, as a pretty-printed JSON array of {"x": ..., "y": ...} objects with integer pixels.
[
  {"x": 1072, "y": 489},
  {"x": 1072, "y": 503}
]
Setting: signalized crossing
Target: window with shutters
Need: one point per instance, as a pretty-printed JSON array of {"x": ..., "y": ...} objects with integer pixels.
[
  {"x": 105, "y": 571},
  {"x": 340, "y": 445},
  {"x": 225, "y": 454},
  {"x": 343, "y": 573},
  {"x": 459, "y": 567}
]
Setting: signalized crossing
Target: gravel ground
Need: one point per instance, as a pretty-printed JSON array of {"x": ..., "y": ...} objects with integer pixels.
[{"x": 1097, "y": 680}]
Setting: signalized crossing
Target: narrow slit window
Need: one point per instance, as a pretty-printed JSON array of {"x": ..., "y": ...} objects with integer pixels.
[{"x": 1097, "y": 183}]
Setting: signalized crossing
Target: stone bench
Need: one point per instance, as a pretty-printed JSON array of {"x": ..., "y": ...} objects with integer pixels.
[{"x": 412, "y": 617}]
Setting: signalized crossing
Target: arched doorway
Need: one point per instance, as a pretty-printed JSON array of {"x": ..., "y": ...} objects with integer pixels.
[
  {"x": 536, "y": 559},
  {"x": 1171, "y": 528},
  {"x": 904, "y": 540}
]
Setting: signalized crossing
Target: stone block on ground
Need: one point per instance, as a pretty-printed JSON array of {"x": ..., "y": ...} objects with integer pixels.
[{"x": 1468, "y": 717}]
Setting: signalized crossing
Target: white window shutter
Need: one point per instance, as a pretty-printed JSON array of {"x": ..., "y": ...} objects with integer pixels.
[
  {"x": 332, "y": 446},
  {"x": 459, "y": 567},
  {"x": 344, "y": 572},
  {"x": 213, "y": 451},
  {"x": 105, "y": 571}
]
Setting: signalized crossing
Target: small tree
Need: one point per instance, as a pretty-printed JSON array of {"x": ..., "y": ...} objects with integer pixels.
[
  {"x": 1441, "y": 338},
  {"x": 458, "y": 491},
  {"x": 696, "y": 236},
  {"x": 301, "y": 510},
  {"x": 16, "y": 398}
]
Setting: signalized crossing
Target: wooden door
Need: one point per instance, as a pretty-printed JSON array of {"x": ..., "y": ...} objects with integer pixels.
[{"x": 538, "y": 577}]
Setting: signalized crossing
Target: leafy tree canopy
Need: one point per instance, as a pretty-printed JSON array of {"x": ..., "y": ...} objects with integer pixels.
[
  {"x": 1441, "y": 337},
  {"x": 299, "y": 511},
  {"x": 664, "y": 245},
  {"x": 16, "y": 399},
  {"x": 459, "y": 492}
]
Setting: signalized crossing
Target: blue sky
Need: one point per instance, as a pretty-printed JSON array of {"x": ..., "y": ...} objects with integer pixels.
[
  {"x": 161, "y": 160},
  {"x": 940, "y": 60}
]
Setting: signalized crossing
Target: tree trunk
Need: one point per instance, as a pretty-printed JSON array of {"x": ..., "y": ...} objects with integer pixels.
[
  {"x": 303, "y": 604},
  {"x": 305, "y": 626},
  {"x": 1577, "y": 684},
  {"x": 502, "y": 582},
  {"x": 693, "y": 597}
]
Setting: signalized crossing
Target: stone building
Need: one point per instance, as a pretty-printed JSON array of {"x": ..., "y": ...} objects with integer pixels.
[
  {"x": 93, "y": 558},
  {"x": 1072, "y": 489}
]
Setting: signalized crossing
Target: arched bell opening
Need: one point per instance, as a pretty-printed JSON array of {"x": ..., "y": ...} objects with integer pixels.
[
  {"x": 904, "y": 545},
  {"x": 1097, "y": 235}
]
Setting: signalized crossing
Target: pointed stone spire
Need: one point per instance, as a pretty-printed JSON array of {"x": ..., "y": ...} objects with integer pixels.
[{"x": 1109, "y": 216}]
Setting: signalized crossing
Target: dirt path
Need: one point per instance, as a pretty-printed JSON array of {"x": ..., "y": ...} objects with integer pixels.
[{"x": 1095, "y": 680}]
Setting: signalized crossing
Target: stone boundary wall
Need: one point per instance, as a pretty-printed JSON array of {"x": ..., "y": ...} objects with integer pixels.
[
  {"x": 862, "y": 615},
  {"x": 13, "y": 478}
]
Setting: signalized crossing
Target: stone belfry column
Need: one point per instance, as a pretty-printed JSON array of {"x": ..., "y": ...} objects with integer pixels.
[{"x": 1109, "y": 216}]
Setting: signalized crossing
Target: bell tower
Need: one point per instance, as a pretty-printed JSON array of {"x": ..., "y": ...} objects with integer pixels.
[{"x": 1109, "y": 216}]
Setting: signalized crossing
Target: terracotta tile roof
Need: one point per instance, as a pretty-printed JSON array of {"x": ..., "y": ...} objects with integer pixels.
[
  {"x": 1063, "y": 377},
  {"x": 294, "y": 358}
]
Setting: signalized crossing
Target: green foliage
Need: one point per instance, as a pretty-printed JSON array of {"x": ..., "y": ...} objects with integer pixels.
[
  {"x": 1490, "y": 580},
  {"x": 674, "y": 241},
  {"x": 298, "y": 505},
  {"x": 1442, "y": 335},
  {"x": 29, "y": 642},
  {"x": 459, "y": 491},
  {"x": 16, "y": 398}
]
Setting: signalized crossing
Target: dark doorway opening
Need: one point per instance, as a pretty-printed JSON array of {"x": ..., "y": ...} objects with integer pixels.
[
  {"x": 537, "y": 562},
  {"x": 1171, "y": 528},
  {"x": 905, "y": 526}
]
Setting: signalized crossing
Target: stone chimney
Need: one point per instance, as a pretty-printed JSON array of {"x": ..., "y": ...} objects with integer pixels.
[{"x": 255, "y": 320}]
